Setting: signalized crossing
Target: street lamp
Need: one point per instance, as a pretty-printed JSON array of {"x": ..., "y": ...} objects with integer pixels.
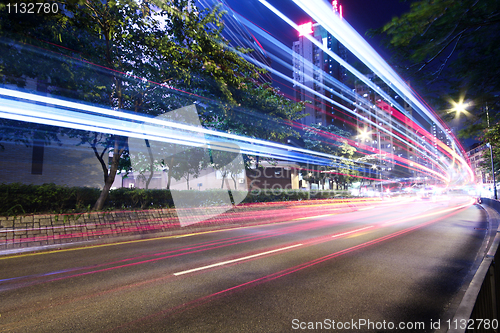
[
  {"x": 380, "y": 165},
  {"x": 363, "y": 134},
  {"x": 459, "y": 108},
  {"x": 491, "y": 156}
]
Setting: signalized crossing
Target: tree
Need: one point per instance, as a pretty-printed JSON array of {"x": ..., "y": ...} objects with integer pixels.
[
  {"x": 137, "y": 56},
  {"x": 331, "y": 140},
  {"x": 112, "y": 41},
  {"x": 189, "y": 163},
  {"x": 228, "y": 163},
  {"x": 454, "y": 47},
  {"x": 347, "y": 169},
  {"x": 492, "y": 136}
]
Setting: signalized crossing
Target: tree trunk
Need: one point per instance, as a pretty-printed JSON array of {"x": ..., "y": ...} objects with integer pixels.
[
  {"x": 233, "y": 176},
  {"x": 223, "y": 177},
  {"x": 109, "y": 177},
  {"x": 151, "y": 166},
  {"x": 169, "y": 174},
  {"x": 119, "y": 142}
]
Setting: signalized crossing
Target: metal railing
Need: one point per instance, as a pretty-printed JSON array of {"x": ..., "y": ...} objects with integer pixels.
[{"x": 479, "y": 309}]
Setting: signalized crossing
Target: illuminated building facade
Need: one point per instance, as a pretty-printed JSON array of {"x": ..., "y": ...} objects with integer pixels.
[
  {"x": 313, "y": 70},
  {"x": 439, "y": 135},
  {"x": 396, "y": 159},
  {"x": 370, "y": 107},
  {"x": 478, "y": 162}
]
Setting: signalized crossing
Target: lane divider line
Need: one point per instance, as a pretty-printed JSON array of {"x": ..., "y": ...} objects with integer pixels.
[
  {"x": 313, "y": 217},
  {"x": 416, "y": 217},
  {"x": 351, "y": 232},
  {"x": 273, "y": 276},
  {"x": 235, "y": 260}
]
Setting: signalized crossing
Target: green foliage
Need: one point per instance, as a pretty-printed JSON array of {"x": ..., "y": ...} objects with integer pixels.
[
  {"x": 16, "y": 198},
  {"x": 138, "y": 56},
  {"x": 263, "y": 113},
  {"x": 326, "y": 139},
  {"x": 492, "y": 136},
  {"x": 331, "y": 140},
  {"x": 452, "y": 48},
  {"x": 19, "y": 199},
  {"x": 139, "y": 198}
]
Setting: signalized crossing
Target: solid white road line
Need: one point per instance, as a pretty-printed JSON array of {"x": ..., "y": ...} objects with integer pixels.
[
  {"x": 351, "y": 232},
  {"x": 235, "y": 260}
]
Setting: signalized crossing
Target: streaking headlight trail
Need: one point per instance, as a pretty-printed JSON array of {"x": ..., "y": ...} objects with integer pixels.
[{"x": 27, "y": 107}]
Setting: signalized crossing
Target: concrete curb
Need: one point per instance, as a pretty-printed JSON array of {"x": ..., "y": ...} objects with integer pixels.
[{"x": 469, "y": 300}]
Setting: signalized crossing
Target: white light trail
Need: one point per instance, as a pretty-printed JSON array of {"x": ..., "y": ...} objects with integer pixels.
[
  {"x": 366, "y": 120},
  {"x": 179, "y": 134},
  {"x": 375, "y": 63},
  {"x": 344, "y": 33},
  {"x": 345, "y": 91},
  {"x": 414, "y": 143},
  {"x": 103, "y": 120}
]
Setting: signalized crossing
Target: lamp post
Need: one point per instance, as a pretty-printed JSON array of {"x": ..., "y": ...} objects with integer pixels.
[
  {"x": 491, "y": 157},
  {"x": 493, "y": 172},
  {"x": 380, "y": 164},
  {"x": 459, "y": 108}
]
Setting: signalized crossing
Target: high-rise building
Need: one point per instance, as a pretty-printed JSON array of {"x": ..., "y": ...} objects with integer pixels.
[
  {"x": 372, "y": 109},
  {"x": 419, "y": 152},
  {"x": 390, "y": 138},
  {"x": 313, "y": 71},
  {"x": 478, "y": 163}
]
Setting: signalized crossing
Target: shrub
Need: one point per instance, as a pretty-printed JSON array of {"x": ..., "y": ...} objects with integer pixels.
[{"x": 17, "y": 198}]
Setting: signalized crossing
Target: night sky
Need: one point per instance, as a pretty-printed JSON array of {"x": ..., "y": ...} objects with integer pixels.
[{"x": 361, "y": 14}]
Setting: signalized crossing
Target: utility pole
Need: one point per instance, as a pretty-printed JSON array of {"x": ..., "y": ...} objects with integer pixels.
[
  {"x": 380, "y": 165},
  {"x": 491, "y": 156},
  {"x": 493, "y": 172}
]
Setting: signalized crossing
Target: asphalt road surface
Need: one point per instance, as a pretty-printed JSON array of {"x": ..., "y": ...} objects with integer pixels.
[{"x": 400, "y": 265}]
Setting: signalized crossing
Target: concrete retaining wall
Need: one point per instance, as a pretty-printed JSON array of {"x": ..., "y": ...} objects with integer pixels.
[
  {"x": 36, "y": 230},
  {"x": 39, "y": 230}
]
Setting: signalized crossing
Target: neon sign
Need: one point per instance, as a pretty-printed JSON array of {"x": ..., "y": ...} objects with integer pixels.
[
  {"x": 337, "y": 8},
  {"x": 305, "y": 29}
]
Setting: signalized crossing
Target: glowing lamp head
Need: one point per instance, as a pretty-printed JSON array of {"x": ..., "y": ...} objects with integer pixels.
[
  {"x": 305, "y": 29},
  {"x": 364, "y": 134},
  {"x": 460, "y": 107}
]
